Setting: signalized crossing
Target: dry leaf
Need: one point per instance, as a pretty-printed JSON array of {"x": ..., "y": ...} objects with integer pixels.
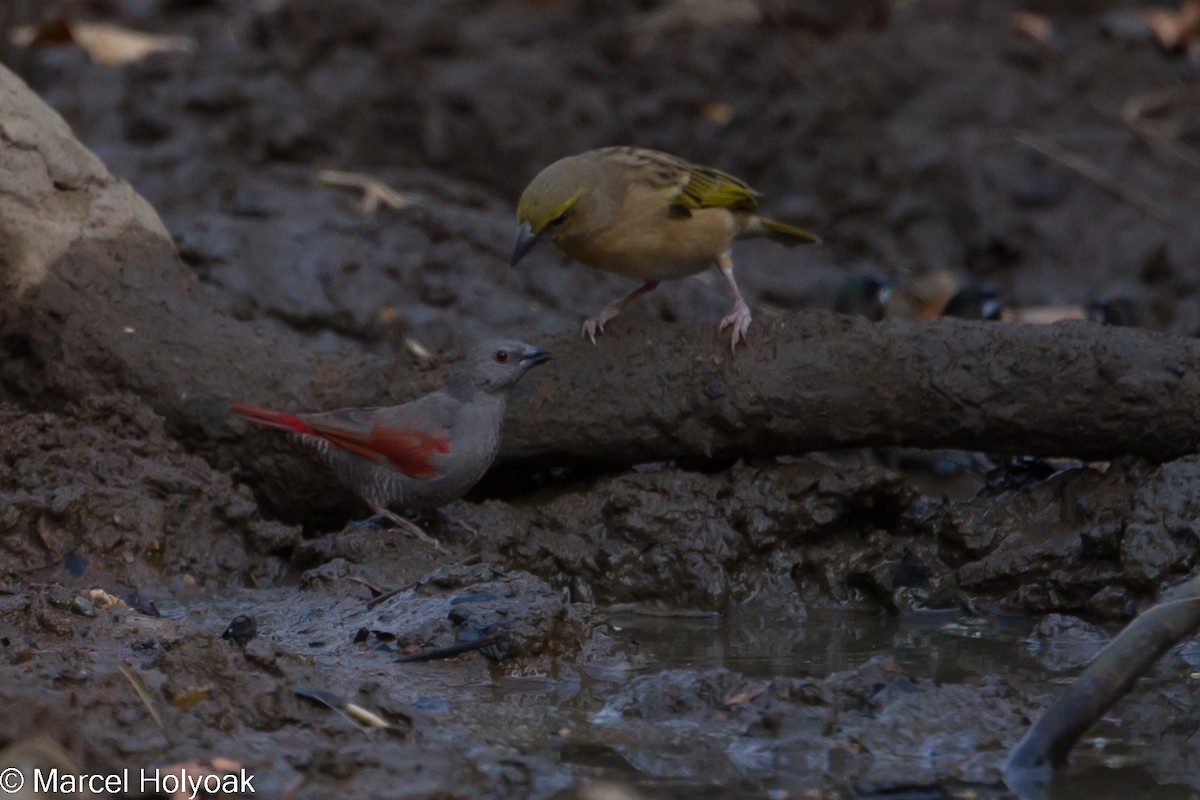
[
  {"x": 743, "y": 696},
  {"x": 108, "y": 44},
  {"x": 1173, "y": 28},
  {"x": 191, "y": 696},
  {"x": 1043, "y": 315},
  {"x": 923, "y": 296},
  {"x": 104, "y": 43},
  {"x": 718, "y": 112},
  {"x": 1035, "y": 26},
  {"x": 102, "y": 599},
  {"x": 418, "y": 350},
  {"x": 604, "y": 790}
]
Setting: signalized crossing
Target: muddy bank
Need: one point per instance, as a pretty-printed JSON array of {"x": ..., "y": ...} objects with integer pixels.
[
  {"x": 845, "y": 530},
  {"x": 199, "y": 696},
  {"x": 99, "y": 491}
]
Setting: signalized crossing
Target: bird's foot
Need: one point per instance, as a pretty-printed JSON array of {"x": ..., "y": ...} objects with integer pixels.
[
  {"x": 595, "y": 325},
  {"x": 739, "y": 321},
  {"x": 591, "y": 327},
  {"x": 412, "y": 529}
]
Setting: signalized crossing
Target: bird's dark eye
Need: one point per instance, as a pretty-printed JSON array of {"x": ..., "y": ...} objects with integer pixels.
[
  {"x": 559, "y": 220},
  {"x": 501, "y": 356}
]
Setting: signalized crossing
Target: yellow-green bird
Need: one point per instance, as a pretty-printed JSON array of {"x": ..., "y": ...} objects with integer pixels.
[{"x": 645, "y": 214}]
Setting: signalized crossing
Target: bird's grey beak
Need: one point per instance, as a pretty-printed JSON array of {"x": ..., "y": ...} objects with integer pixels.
[
  {"x": 532, "y": 356},
  {"x": 526, "y": 239}
]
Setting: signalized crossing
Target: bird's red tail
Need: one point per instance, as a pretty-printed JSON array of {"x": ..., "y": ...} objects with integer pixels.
[{"x": 271, "y": 418}]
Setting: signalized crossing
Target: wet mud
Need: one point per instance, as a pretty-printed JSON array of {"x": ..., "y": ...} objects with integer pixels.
[{"x": 874, "y": 623}]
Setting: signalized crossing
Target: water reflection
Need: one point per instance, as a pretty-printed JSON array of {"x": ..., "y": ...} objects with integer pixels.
[
  {"x": 1134, "y": 752},
  {"x": 940, "y": 647}
]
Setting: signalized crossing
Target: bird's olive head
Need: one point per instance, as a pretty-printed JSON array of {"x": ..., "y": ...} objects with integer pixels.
[
  {"x": 497, "y": 365},
  {"x": 549, "y": 202}
]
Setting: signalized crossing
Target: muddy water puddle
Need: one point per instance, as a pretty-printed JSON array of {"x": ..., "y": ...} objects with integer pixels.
[
  {"x": 1113, "y": 761},
  {"x": 758, "y": 643},
  {"x": 752, "y": 703}
]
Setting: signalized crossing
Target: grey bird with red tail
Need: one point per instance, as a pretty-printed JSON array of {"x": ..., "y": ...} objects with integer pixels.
[{"x": 422, "y": 454}]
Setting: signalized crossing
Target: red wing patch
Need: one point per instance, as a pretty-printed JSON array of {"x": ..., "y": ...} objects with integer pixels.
[
  {"x": 271, "y": 418},
  {"x": 409, "y": 450}
]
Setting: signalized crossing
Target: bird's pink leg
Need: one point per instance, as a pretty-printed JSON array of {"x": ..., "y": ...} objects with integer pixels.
[
  {"x": 739, "y": 319},
  {"x": 594, "y": 325},
  {"x": 409, "y": 527}
]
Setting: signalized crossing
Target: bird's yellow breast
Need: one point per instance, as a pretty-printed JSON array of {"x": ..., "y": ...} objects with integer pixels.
[{"x": 646, "y": 241}]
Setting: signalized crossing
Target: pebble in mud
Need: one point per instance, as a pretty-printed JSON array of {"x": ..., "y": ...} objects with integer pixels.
[
  {"x": 241, "y": 630},
  {"x": 82, "y": 607}
]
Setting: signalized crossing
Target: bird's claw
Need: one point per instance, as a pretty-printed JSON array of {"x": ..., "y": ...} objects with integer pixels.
[
  {"x": 595, "y": 325},
  {"x": 739, "y": 321},
  {"x": 591, "y": 327}
]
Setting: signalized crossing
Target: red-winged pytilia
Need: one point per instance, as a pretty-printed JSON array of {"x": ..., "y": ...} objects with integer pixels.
[{"x": 422, "y": 454}]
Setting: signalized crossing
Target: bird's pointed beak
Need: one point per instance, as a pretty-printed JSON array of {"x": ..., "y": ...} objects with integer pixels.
[
  {"x": 526, "y": 239},
  {"x": 532, "y": 356}
]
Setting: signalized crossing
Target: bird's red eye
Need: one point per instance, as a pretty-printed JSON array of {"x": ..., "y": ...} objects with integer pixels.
[{"x": 501, "y": 356}]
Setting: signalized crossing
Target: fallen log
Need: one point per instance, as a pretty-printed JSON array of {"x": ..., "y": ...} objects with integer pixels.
[
  {"x": 95, "y": 298},
  {"x": 819, "y": 381}
]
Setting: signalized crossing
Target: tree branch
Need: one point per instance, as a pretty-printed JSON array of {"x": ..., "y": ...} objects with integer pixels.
[{"x": 1108, "y": 678}]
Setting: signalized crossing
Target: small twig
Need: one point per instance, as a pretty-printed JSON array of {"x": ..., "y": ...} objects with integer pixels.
[
  {"x": 438, "y": 653},
  {"x": 1138, "y": 107},
  {"x": 388, "y": 595},
  {"x": 353, "y": 713},
  {"x": 374, "y": 589},
  {"x": 374, "y": 191},
  {"x": 136, "y": 683},
  {"x": 385, "y": 595},
  {"x": 1089, "y": 170}
]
